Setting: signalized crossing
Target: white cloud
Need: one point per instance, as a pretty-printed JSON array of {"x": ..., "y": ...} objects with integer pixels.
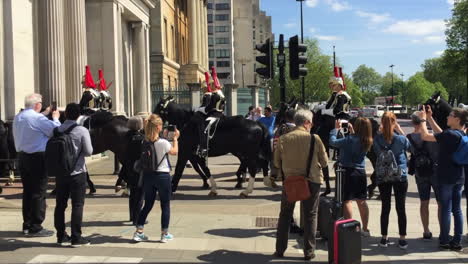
[
  {"x": 439, "y": 53},
  {"x": 338, "y": 5},
  {"x": 430, "y": 40},
  {"x": 290, "y": 25},
  {"x": 312, "y": 30},
  {"x": 374, "y": 18},
  {"x": 451, "y": 2},
  {"x": 328, "y": 38},
  {"x": 417, "y": 27},
  {"x": 311, "y": 3}
]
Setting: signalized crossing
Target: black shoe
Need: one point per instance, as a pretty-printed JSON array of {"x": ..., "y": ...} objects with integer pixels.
[
  {"x": 81, "y": 242},
  {"x": 64, "y": 240},
  {"x": 402, "y": 244},
  {"x": 42, "y": 233},
  {"x": 92, "y": 191},
  {"x": 444, "y": 246},
  {"x": 455, "y": 247},
  {"x": 278, "y": 255},
  {"x": 326, "y": 192},
  {"x": 309, "y": 257},
  {"x": 53, "y": 192},
  {"x": 384, "y": 242},
  {"x": 427, "y": 236}
]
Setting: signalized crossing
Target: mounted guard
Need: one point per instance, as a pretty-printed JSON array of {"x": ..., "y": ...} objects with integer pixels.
[
  {"x": 338, "y": 105},
  {"x": 105, "y": 100},
  {"x": 212, "y": 109},
  {"x": 90, "y": 100}
]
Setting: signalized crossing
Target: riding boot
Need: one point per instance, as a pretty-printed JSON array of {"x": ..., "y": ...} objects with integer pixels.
[
  {"x": 202, "y": 147},
  {"x": 326, "y": 177}
]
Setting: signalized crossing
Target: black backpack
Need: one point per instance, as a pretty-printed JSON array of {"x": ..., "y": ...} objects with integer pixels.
[
  {"x": 60, "y": 155},
  {"x": 421, "y": 159},
  {"x": 148, "y": 158}
]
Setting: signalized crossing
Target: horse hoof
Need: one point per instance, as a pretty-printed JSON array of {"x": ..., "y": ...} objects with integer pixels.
[
  {"x": 243, "y": 195},
  {"x": 212, "y": 194},
  {"x": 205, "y": 186},
  {"x": 238, "y": 186}
]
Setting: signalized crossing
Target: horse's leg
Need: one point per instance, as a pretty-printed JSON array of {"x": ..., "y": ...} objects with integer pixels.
[
  {"x": 195, "y": 164},
  {"x": 92, "y": 189},
  {"x": 240, "y": 171},
  {"x": 326, "y": 174},
  {"x": 371, "y": 187},
  {"x": 206, "y": 170},
  {"x": 252, "y": 166},
  {"x": 180, "y": 166}
]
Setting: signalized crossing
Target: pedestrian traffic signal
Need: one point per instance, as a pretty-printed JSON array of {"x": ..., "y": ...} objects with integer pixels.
[
  {"x": 268, "y": 72},
  {"x": 296, "y": 59}
]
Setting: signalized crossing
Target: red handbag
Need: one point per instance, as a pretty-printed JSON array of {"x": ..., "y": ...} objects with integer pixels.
[{"x": 297, "y": 187}]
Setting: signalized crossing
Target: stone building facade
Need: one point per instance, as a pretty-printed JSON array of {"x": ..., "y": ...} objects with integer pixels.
[
  {"x": 179, "y": 43},
  {"x": 45, "y": 45}
]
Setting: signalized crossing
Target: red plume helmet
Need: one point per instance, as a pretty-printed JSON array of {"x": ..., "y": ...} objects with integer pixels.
[
  {"x": 215, "y": 78},
  {"x": 337, "y": 72},
  {"x": 102, "y": 81},
  {"x": 88, "y": 78},
  {"x": 207, "y": 79},
  {"x": 342, "y": 77}
]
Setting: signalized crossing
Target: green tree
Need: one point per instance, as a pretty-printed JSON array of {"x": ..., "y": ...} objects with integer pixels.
[
  {"x": 355, "y": 93},
  {"x": 386, "y": 89},
  {"x": 441, "y": 70},
  {"x": 419, "y": 89},
  {"x": 367, "y": 78}
]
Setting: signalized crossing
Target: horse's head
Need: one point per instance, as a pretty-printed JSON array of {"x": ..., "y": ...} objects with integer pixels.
[
  {"x": 440, "y": 109},
  {"x": 162, "y": 108}
]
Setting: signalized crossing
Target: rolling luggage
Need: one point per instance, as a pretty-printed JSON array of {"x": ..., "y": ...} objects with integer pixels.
[
  {"x": 344, "y": 235},
  {"x": 330, "y": 209}
]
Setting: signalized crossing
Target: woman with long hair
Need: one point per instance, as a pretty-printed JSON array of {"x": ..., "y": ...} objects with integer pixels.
[
  {"x": 159, "y": 180},
  {"x": 353, "y": 150},
  {"x": 386, "y": 140}
]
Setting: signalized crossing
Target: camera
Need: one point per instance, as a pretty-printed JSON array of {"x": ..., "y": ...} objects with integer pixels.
[
  {"x": 344, "y": 125},
  {"x": 171, "y": 128},
  {"x": 53, "y": 106}
]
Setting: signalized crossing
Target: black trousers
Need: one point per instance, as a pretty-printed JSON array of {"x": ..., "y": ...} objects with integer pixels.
[
  {"x": 34, "y": 180},
  {"x": 400, "y": 189},
  {"x": 74, "y": 187}
]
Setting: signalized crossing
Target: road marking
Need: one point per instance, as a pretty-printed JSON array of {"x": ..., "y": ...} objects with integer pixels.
[{"x": 43, "y": 258}]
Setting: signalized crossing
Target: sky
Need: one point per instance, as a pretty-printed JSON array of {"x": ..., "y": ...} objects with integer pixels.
[{"x": 377, "y": 33}]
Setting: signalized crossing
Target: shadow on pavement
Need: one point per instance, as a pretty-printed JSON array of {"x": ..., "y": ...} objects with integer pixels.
[
  {"x": 242, "y": 233},
  {"x": 228, "y": 256}
]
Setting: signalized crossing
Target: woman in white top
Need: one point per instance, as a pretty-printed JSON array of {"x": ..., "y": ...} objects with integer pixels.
[{"x": 158, "y": 180}]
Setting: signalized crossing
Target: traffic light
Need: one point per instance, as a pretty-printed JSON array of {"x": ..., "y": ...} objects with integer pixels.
[
  {"x": 297, "y": 60},
  {"x": 268, "y": 72}
]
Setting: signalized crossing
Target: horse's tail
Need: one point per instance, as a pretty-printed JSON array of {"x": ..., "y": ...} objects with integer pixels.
[{"x": 265, "y": 145}]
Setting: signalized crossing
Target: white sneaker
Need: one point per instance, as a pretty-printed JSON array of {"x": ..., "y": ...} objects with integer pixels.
[
  {"x": 139, "y": 237},
  {"x": 166, "y": 237},
  {"x": 365, "y": 233}
]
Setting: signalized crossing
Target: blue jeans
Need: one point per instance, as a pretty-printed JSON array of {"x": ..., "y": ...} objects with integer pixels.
[
  {"x": 154, "y": 182},
  {"x": 450, "y": 200}
]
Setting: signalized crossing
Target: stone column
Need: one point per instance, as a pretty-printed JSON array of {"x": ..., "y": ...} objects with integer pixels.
[
  {"x": 53, "y": 71},
  {"x": 232, "y": 100},
  {"x": 200, "y": 31},
  {"x": 140, "y": 88},
  {"x": 267, "y": 95},
  {"x": 254, "y": 92},
  {"x": 2, "y": 80},
  {"x": 195, "y": 94},
  {"x": 76, "y": 48},
  {"x": 148, "y": 70},
  {"x": 204, "y": 36},
  {"x": 192, "y": 8}
]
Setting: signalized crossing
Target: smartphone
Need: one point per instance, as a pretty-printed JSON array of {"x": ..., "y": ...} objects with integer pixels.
[
  {"x": 53, "y": 106},
  {"x": 171, "y": 128},
  {"x": 344, "y": 124}
]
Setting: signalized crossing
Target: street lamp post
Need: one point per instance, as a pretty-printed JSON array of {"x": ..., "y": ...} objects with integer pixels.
[
  {"x": 391, "y": 66},
  {"x": 302, "y": 42},
  {"x": 403, "y": 101}
]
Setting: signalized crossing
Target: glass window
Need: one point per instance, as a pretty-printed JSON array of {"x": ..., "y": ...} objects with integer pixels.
[
  {"x": 254, "y": 34},
  {"x": 223, "y": 75},
  {"x": 210, "y": 42},
  {"x": 223, "y": 64},
  {"x": 211, "y": 53},
  {"x": 211, "y": 64},
  {"x": 223, "y": 17},
  {"x": 222, "y": 40},
  {"x": 209, "y": 6},
  {"x": 222, "y": 53},
  {"x": 210, "y": 30},
  {"x": 223, "y": 6},
  {"x": 210, "y": 18},
  {"x": 222, "y": 28}
]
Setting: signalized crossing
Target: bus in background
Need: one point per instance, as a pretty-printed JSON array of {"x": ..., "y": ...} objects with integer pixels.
[
  {"x": 371, "y": 111},
  {"x": 400, "y": 111}
]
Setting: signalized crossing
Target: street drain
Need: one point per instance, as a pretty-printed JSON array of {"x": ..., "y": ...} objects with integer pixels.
[{"x": 266, "y": 222}]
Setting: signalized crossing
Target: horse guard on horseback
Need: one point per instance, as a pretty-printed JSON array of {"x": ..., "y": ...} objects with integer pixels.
[{"x": 93, "y": 100}]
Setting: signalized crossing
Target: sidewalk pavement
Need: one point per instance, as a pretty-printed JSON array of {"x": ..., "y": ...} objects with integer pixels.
[{"x": 224, "y": 229}]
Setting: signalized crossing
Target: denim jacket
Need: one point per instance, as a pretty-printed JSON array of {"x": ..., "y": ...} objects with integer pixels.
[
  {"x": 400, "y": 145},
  {"x": 351, "y": 154}
]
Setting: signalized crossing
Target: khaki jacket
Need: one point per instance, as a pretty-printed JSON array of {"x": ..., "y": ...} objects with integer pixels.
[{"x": 291, "y": 155}]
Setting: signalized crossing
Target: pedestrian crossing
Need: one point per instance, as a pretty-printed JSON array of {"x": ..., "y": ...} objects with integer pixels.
[{"x": 46, "y": 259}]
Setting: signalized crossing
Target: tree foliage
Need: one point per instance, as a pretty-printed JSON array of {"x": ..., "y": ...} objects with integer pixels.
[
  {"x": 367, "y": 79},
  {"x": 419, "y": 89}
]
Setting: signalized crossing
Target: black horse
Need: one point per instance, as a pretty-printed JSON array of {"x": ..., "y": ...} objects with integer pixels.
[{"x": 245, "y": 139}]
